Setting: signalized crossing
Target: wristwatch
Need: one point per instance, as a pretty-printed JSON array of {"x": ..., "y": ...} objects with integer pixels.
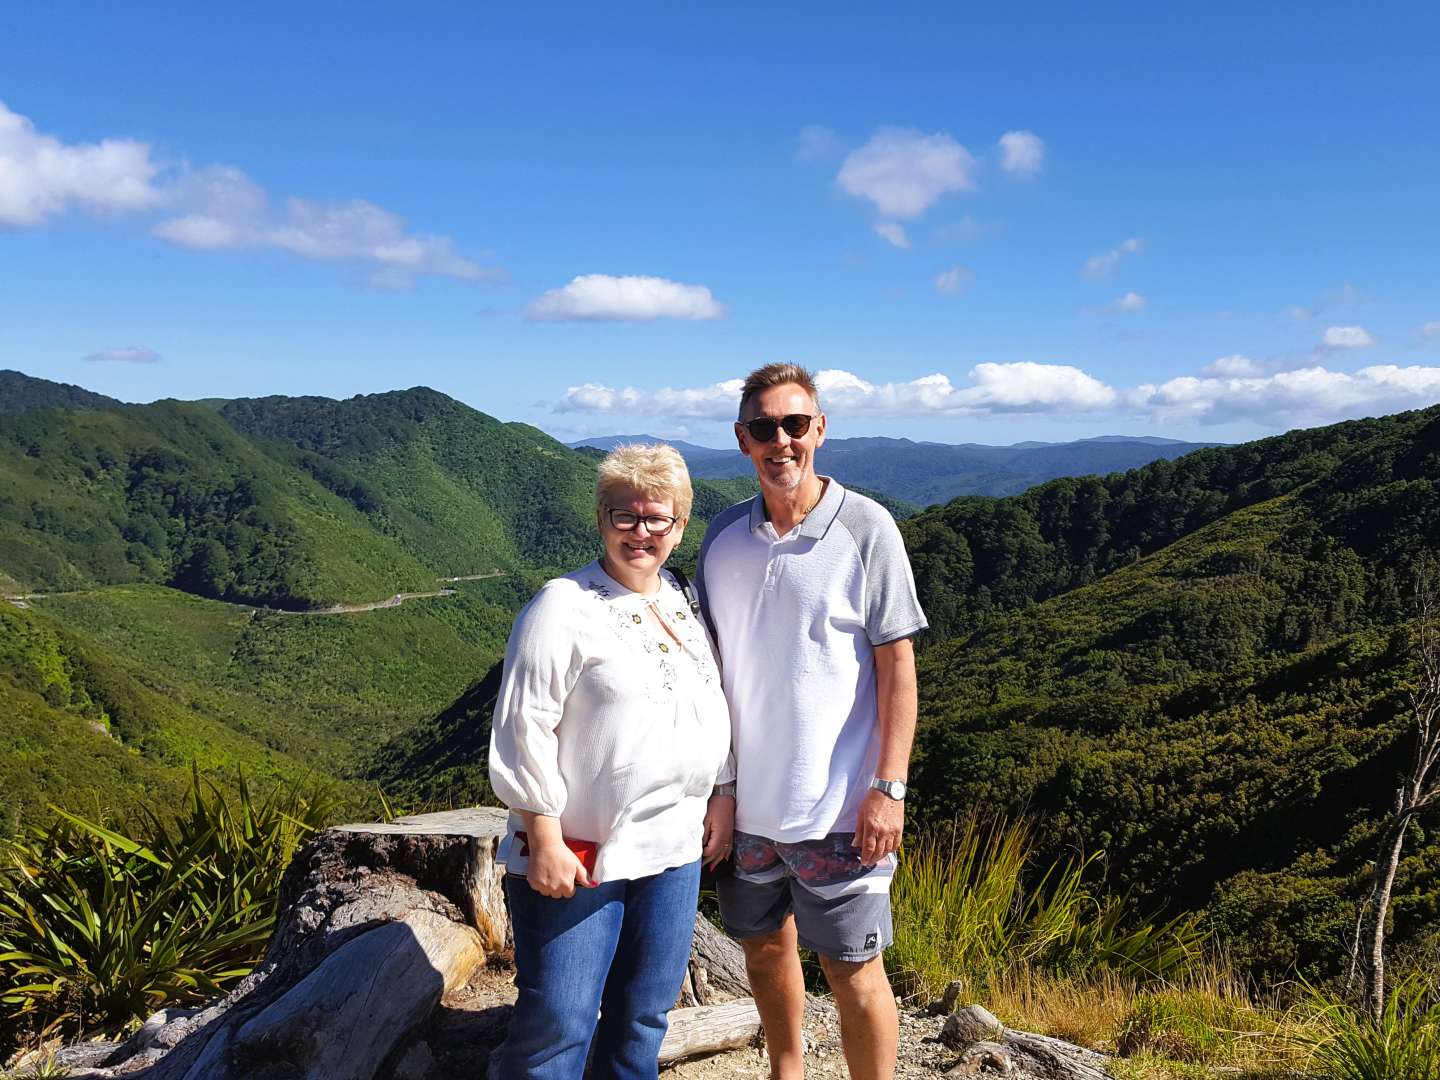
[
  {"x": 894, "y": 788},
  {"x": 723, "y": 789}
]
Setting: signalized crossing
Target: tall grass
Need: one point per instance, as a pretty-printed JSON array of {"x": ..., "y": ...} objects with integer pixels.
[
  {"x": 99, "y": 927},
  {"x": 1346, "y": 1043},
  {"x": 970, "y": 903}
]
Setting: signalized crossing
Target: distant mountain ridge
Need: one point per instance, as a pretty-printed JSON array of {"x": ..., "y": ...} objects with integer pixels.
[{"x": 925, "y": 473}]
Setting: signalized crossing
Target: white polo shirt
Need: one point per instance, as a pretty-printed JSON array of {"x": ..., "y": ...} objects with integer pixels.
[{"x": 797, "y": 618}]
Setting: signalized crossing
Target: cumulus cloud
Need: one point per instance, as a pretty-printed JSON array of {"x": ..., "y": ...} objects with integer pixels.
[
  {"x": 717, "y": 401},
  {"x": 994, "y": 388},
  {"x": 1235, "y": 365},
  {"x": 954, "y": 280},
  {"x": 816, "y": 143},
  {"x": 1022, "y": 153},
  {"x": 42, "y": 176},
  {"x": 125, "y": 354},
  {"x": 1131, "y": 301},
  {"x": 631, "y": 298},
  {"x": 1346, "y": 337},
  {"x": 1313, "y": 394},
  {"x": 1230, "y": 389},
  {"x": 213, "y": 208},
  {"x": 893, "y": 232},
  {"x": 904, "y": 172},
  {"x": 1103, "y": 265},
  {"x": 227, "y": 210}
]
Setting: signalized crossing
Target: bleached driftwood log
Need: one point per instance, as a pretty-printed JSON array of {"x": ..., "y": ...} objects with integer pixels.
[
  {"x": 710, "y": 1028},
  {"x": 991, "y": 1049},
  {"x": 377, "y": 922}
]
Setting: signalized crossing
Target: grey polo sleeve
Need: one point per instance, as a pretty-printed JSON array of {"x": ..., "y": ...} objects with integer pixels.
[{"x": 892, "y": 608}]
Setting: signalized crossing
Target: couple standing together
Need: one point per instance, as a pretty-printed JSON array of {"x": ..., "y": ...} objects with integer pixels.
[{"x": 628, "y": 756}]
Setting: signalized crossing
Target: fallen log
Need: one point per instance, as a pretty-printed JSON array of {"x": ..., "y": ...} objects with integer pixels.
[
  {"x": 991, "y": 1049},
  {"x": 710, "y": 1029}
]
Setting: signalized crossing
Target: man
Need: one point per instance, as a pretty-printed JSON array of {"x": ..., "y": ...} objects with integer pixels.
[{"x": 810, "y": 595}]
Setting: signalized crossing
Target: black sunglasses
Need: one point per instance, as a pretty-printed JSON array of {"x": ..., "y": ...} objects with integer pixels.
[{"x": 763, "y": 428}]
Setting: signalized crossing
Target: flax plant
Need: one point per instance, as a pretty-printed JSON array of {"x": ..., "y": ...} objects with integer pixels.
[
  {"x": 99, "y": 926},
  {"x": 1403, "y": 1043}
]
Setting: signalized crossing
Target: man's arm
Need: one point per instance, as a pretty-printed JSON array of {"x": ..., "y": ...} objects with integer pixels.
[{"x": 882, "y": 819}]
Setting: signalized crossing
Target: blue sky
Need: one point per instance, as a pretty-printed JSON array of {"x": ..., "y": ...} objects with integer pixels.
[{"x": 1048, "y": 222}]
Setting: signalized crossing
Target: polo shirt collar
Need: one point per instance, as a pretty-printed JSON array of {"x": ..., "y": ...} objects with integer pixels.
[{"x": 817, "y": 521}]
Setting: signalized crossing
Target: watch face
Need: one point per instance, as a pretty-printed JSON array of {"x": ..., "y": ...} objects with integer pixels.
[{"x": 897, "y": 789}]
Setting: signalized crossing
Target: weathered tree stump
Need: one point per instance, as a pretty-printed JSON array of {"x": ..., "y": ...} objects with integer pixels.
[{"x": 377, "y": 922}]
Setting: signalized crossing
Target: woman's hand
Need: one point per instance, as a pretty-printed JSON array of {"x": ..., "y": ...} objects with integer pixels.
[
  {"x": 719, "y": 830},
  {"x": 554, "y": 869}
]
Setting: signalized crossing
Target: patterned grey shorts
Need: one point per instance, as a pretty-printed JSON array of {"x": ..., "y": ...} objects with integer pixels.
[{"x": 841, "y": 907}]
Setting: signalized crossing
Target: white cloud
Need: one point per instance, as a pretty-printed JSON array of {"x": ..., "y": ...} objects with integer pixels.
[
  {"x": 1233, "y": 366},
  {"x": 718, "y": 401},
  {"x": 1307, "y": 395},
  {"x": 631, "y": 298},
  {"x": 1102, "y": 265},
  {"x": 1131, "y": 301},
  {"x": 125, "y": 354},
  {"x": 1230, "y": 389},
  {"x": 41, "y": 176},
  {"x": 816, "y": 143},
  {"x": 904, "y": 172},
  {"x": 215, "y": 208},
  {"x": 1022, "y": 153},
  {"x": 1430, "y": 331},
  {"x": 227, "y": 210},
  {"x": 1346, "y": 337},
  {"x": 995, "y": 388},
  {"x": 894, "y": 232},
  {"x": 954, "y": 280}
]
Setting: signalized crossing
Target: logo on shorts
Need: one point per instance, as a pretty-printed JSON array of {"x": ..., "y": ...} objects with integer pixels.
[{"x": 871, "y": 940}]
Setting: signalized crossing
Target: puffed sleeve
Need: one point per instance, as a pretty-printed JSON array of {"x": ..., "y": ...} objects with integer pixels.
[{"x": 540, "y": 670}]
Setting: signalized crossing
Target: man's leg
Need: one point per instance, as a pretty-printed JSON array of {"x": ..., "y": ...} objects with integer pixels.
[
  {"x": 869, "y": 1021},
  {"x": 773, "y": 964}
]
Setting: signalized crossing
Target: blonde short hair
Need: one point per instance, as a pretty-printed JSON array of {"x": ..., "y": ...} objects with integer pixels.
[
  {"x": 777, "y": 375},
  {"x": 655, "y": 470}
]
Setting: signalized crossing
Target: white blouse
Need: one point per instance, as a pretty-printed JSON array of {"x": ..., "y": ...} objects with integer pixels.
[{"x": 610, "y": 723}]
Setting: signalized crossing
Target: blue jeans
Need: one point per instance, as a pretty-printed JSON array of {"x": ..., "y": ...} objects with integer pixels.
[{"x": 619, "y": 950}]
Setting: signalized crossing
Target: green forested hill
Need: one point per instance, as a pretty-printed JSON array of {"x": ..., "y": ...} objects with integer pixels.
[
  {"x": 977, "y": 556},
  {"x": 1223, "y": 716},
  {"x": 160, "y": 539},
  {"x": 19, "y": 392}
]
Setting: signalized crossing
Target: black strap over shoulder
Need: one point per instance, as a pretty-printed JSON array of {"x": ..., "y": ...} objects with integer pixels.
[{"x": 689, "y": 590}]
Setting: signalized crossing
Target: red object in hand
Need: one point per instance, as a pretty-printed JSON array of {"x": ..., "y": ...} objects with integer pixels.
[{"x": 584, "y": 850}]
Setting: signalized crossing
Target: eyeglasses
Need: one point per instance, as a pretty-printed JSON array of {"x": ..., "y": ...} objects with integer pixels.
[
  {"x": 628, "y": 520},
  {"x": 763, "y": 428}
]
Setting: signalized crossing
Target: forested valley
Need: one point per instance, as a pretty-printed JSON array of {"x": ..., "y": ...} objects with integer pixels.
[{"x": 1195, "y": 669}]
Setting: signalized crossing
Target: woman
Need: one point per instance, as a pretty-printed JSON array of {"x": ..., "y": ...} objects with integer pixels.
[{"x": 611, "y": 734}]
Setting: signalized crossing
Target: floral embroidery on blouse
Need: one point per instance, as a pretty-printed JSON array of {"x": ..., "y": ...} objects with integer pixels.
[{"x": 696, "y": 647}]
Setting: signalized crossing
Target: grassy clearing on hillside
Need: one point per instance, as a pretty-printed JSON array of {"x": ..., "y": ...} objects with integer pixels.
[{"x": 325, "y": 689}]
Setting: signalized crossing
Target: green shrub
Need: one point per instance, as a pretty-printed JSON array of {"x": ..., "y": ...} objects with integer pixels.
[{"x": 100, "y": 927}]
